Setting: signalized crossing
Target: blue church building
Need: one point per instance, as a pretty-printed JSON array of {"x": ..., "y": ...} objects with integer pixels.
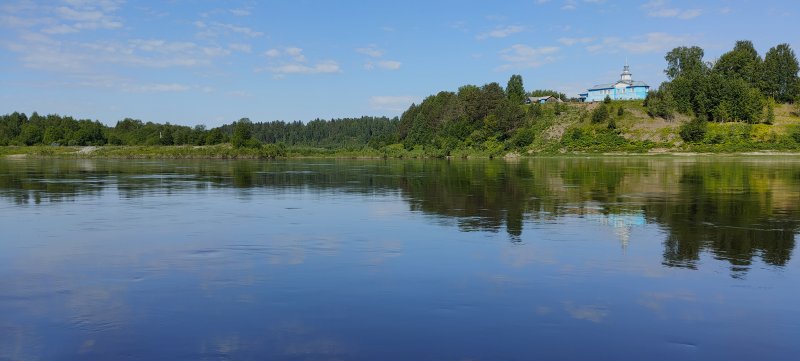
[{"x": 624, "y": 89}]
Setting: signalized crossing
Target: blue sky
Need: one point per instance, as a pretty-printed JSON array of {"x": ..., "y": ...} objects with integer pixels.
[{"x": 212, "y": 62}]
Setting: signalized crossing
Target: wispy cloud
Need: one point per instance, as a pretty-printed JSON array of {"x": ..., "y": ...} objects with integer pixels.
[
  {"x": 573, "y": 41},
  {"x": 43, "y": 52},
  {"x": 323, "y": 67},
  {"x": 244, "y": 11},
  {"x": 371, "y": 51},
  {"x": 215, "y": 29},
  {"x": 569, "y": 5},
  {"x": 292, "y": 60},
  {"x": 521, "y": 56},
  {"x": 157, "y": 88},
  {"x": 244, "y": 48},
  {"x": 501, "y": 32},
  {"x": 383, "y": 64},
  {"x": 391, "y": 102},
  {"x": 69, "y": 16},
  {"x": 647, "y": 43},
  {"x": 662, "y": 9}
]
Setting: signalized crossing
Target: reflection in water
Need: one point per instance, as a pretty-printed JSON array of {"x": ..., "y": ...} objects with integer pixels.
[
  {"x": 334, "y": 259},
  {"x": 735, "y": 209}
]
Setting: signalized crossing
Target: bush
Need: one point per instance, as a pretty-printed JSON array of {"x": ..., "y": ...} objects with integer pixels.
[
  {"x": 660, "y": 103},
  {"x": 694, "y": 131},
  {"x": 600, "y": 114},
  {"x": 523, "y": 137},
  {"x": 607, "y": 100},
  {"x": 794, "y": 133},
  {"x": 770, "y": 117},
  {"x": 620, "y": 112}
]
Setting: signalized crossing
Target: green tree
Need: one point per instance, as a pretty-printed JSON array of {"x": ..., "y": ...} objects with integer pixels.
[
  {"x": 685, "y": 60},
  {"x": 242, "y": 133},
  {"x": 742, "y": 62},
  {"x": 215, "y": 136},
  {"x": 515, "y": 90},
  {"x": 780, "y": 79},
  {"x": 30, "y": 134}
]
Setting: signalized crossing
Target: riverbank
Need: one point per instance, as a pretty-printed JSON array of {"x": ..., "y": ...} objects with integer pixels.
[{"x": 266, "y": 152}]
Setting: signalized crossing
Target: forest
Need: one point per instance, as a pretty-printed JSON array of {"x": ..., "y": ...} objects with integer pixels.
[{"x": 739, "y": 87}]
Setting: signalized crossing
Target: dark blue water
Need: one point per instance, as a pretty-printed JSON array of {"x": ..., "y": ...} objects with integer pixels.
[{"x": 546, "y": 259}]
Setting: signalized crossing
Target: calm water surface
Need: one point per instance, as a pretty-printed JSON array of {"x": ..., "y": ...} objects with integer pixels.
[{"x": 547, "y": 259}]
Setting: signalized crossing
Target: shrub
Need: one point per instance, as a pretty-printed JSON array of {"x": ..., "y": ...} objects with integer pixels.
[
  {"x": 794, "y": 133},
  {"x": 600, "y": 114},
  {"x": 693, "y": 131}
]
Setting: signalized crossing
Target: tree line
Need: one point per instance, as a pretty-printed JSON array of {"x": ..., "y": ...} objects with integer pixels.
[
  {"x": 19, "y": 129},
  {"x": 739, "y": 86}
]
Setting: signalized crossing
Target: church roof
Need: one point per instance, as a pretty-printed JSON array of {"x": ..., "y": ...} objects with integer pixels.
[{"x": 612, "y": 85}]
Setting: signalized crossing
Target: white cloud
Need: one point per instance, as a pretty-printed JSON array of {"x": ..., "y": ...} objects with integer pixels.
[
  {"x": 654, "y": 42},
  {"x": 296, "y": 54},
  {"x": 244, "y": 48},
  {"x": 573, "y": 41},
  {"x": 215, "y": 29},
  {"x": 501, "y": 32},
  {"x": 272, "y": 53},
  {"x": 392, "y": 103},
  {"x": 240, "y": 11},
  {"x": 389, "y": 64},
  {"x": 648, "y": 43},
  {"x": 158, "y": 88},
  {"x": 328, "y": 66},
  {"x": 241, "y": 30},
  {"x": 521, "y": 56},
  {"x": 43, "y": 52},
  {"x": 371, "y": 51},
  {"x": 72, "y": 17},
  {"x": 662, "y": 9},
  {"x": 383, "y": 64},
  {"x": 291, "y": 60}
]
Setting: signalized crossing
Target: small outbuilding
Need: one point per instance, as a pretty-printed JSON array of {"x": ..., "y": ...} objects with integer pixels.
[{"x": 543, "y": 100}]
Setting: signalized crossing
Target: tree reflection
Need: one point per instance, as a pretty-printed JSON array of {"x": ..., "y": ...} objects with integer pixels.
[{"x": 733, "y": 209}]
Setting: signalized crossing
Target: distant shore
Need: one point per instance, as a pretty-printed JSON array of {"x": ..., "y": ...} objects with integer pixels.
[{"x": 228, "y": 152}]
